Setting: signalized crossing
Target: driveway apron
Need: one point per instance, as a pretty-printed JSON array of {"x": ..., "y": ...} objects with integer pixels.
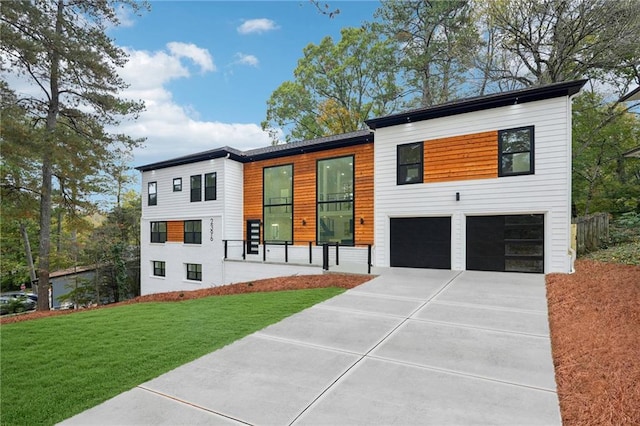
[{"x": 410, "y": 347}]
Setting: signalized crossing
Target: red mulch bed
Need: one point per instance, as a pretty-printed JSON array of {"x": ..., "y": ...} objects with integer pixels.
[
  {"x": 294, "y": 282},
  {"x": 594, "y": 317}
]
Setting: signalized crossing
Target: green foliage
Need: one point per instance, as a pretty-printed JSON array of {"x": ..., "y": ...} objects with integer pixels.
[
  {"x": 624, "y": 241},
  {"x": 604, "y": 180},
  {"x": 336, "y": 87},
  {"x": 88, "y": 357}
]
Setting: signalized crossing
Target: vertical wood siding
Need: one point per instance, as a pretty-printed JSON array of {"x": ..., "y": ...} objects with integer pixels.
[
  {"x": 472, "y": 156},
  {"x": 175, "y": 231},
  {"x": 304, "y": 190}
]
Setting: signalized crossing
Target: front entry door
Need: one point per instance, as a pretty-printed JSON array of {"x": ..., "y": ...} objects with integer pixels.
[{"x": 253, "y": 236}]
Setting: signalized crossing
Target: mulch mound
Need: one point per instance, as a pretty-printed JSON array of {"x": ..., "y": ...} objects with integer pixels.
[
  {"x": 594, "y": 317},
  {"x": 294, "y": 282}
]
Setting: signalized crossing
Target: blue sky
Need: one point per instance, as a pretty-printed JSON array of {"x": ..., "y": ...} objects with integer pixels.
[{"x": 206, "y": 69}]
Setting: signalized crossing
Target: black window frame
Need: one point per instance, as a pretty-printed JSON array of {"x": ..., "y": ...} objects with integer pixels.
[
  {"x": 404, "y": 166},
  {"x": 159, "y": 268},
  {"x": 287, "y": 204},
  {"x": 158, "y": 236},
  {"x": 152, "y": 197},
  {"x": 196, "y": 192},
  {"x": 192, "y": 236},
  {"x": 210, "y": 191},
  {"x": 194, "y": 275},
  {"x": 341, "y": 204},
  {"x": 502, "y": 154},
  {"x": 177, "y": 184}
]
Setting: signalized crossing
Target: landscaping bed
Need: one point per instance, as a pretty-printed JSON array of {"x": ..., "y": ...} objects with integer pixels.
[{"x": 594, "y": 317}]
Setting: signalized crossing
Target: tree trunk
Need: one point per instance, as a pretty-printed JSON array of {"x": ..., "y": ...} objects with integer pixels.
[
  {"x": 47, "y": 166},
  {"x": 28, "y": 254}
]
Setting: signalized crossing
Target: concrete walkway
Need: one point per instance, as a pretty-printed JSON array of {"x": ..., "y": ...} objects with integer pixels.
[{"x": 410, "y": 347}]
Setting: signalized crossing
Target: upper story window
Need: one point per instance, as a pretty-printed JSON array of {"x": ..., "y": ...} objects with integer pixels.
[
  {"x": 210, "y": 186},
  {"x": 516, "y": 151},
  {"x": 177, "y": 184},
  {"x": 158, "y": 232},
  {"x": 193, "y": 232},
  {"x": 410, "y": 160},
  {"x": 196, "y": 188},
  {"x": 159, "y": 268},
  {"x": 152, "y": 194},
  {"x": 278, "y": 203},
  {"x": 335, "y": 202}
]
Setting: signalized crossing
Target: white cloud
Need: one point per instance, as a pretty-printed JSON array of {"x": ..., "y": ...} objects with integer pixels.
[
  {"x": 200, "y": 56},
  {"x": 171, "y": 129},
  {"x": 243, "y": 59},
  {"x": 257, "y": 26}
]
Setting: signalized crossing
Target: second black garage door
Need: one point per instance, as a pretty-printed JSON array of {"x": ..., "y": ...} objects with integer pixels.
[
  {"x": 512, "y": 243},
  {"x": 421, "y": 242}
]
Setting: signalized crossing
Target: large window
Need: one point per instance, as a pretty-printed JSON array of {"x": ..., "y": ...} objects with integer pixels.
[
  {"x": 210, "y": 186},
  {"x": 194, "y": 271},
  {"x": 153, "y": 194},
  {"x": 193, "y": 231},
  {"x": 278, "y": 203},
  {"x": 335, "y": 211},
  {"x": 196, "y": 188},
  {"x": 516, "y": 151},
  {"x": 410, "y": 163},
  {"x": 158, "y": 232},
  {"x": 158, "y": 268}
]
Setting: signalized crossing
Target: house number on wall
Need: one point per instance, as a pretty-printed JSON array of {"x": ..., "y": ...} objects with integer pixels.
[{"x": 211, "y": 229}]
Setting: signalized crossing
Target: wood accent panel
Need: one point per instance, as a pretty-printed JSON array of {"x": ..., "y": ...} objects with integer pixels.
[
  {"x": 304, "y": 190},
  {"x": 472, "y": 156},
  {"x": 175, "y": 231}
]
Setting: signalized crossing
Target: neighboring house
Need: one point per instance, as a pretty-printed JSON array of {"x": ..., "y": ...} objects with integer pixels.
[
  {"x": 482, "y": 183},
  {"x": 634, "y": 95},
  {"x": 65, "y": 280}
]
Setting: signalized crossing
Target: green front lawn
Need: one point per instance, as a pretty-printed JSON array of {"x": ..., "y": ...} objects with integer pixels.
[{"x": 54, "y": 368}]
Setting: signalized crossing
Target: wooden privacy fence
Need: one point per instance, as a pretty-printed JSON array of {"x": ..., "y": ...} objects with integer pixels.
[{"x": 591, "y": 231}]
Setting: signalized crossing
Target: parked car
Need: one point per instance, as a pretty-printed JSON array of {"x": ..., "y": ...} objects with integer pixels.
[{"x": 17, "y": 302}]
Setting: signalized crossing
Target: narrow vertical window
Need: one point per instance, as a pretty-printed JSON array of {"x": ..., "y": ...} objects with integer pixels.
[
  {"x": 335, "y": 200},
  {"x": 516, "y": 151},
  {"x": 410, "y": 163},
  {"x": 177, "y": 184},
  {"x": 158, "y": 268},
  {"x": 194, "y": 271},
  {"x": 210, "y": 186},
  {"x": 153, "y": 194},
  {"x": 196, "y": 188},
  {"x": 193, "y": 232},
  {"x": 278, "y": 203}
]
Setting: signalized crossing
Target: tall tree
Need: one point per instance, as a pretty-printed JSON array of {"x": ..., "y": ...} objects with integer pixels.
[
  {"x": 437, "y": 41},
  {"x": 61, "y": 47},
  {"x": 561, "y": 40},
  {"x": 336, "y": 87}
]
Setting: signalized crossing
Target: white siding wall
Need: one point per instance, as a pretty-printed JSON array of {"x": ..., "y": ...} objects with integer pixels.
[
  {"x": 548, "y": 191},
  {"x": 221, "y": 218}
]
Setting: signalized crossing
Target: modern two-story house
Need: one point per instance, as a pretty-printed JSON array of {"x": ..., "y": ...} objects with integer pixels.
[{"x": 477, "y": 184}]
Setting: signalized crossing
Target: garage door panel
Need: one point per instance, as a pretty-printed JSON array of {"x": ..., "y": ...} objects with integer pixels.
[
  {"x": 421, "y": 242},
  {"x": 505, "y": 243}
]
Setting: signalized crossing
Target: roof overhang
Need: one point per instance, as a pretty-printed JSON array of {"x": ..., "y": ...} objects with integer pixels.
[
  {"x": 479, "y": 103},
  {"x": 634, "y": 95},
  {"x": 193, "y": 158}
]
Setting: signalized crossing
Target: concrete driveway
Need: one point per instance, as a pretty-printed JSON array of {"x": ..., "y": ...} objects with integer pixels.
[{"x": 412, "y": 346}]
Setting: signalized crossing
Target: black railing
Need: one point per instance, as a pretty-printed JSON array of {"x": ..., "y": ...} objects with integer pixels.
[{"x": 287, "y": 244}]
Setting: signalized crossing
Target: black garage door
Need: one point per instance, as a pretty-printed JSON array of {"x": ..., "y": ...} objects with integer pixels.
[
  {"x": 421, "y": 242},
  {"x": 512, "y": 243}
]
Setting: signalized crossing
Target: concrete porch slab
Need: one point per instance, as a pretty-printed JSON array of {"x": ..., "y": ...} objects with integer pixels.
[{"x": 384, "y": 393}]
